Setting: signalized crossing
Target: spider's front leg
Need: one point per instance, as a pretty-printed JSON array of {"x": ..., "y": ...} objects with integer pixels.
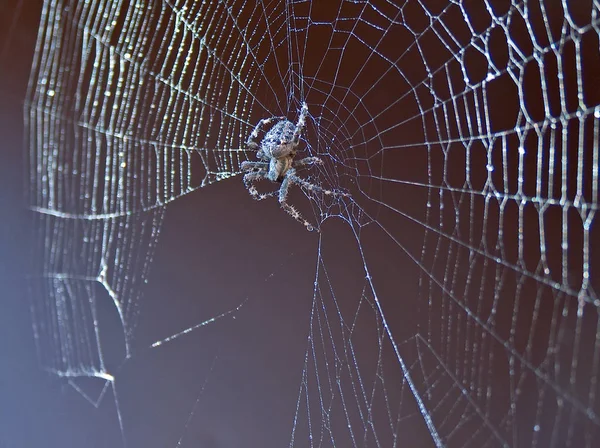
[
  {"x": 300, "y": 124},
  {"x": 283, "y": 192}
]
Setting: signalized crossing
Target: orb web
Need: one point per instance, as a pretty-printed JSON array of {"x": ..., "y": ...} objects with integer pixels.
[{"x": 454, "y": 291}]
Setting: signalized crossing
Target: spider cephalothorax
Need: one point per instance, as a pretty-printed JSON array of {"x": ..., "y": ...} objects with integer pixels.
[{"x": 276, "y": 153}]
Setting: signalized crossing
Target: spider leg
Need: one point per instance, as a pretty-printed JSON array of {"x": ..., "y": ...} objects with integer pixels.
[
  {"x": 250, "y": 178},
  {"x": 283, "y": 192},
  {"x": 312, "y": 187},
  {"x": 300, "y": 124},
  {"x": 254, "y": 134},
  {"x": 307, "y": 161},
  {"x": 247, "y": 166}
]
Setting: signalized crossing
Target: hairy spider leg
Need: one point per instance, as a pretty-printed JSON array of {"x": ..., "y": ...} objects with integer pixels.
[
  {"x": 251, "y": 143},
  {"x": 300, "y": 124},
  {"x": 307, "y": 161},
  {"x": 250, "y": 178},
  {"x": 247, "y": 165},
  {"x": 312, "y": 187},
  {"x": 283, "y": 192}
]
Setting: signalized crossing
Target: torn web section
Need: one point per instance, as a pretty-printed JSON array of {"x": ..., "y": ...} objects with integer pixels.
[{"x": 85, "y": 302}]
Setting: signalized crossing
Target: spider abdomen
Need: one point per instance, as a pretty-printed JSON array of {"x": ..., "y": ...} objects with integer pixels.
[{"x": 279, "y": 139}]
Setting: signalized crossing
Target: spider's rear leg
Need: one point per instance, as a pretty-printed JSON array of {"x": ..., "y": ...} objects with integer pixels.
[
  {"x": 250, "y": 178},
  {"x": 283, "y": 192},
  {"x": 312, "y": 187}
]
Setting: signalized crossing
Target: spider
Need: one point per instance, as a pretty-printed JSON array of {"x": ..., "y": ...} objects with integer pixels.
[{"x": 276, "y": 153}]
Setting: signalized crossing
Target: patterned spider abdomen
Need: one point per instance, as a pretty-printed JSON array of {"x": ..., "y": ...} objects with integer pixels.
[{"x": 278, "y": 141}]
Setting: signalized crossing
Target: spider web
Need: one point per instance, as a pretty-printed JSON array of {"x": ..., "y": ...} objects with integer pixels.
[{"x": 455, "y": 292}]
